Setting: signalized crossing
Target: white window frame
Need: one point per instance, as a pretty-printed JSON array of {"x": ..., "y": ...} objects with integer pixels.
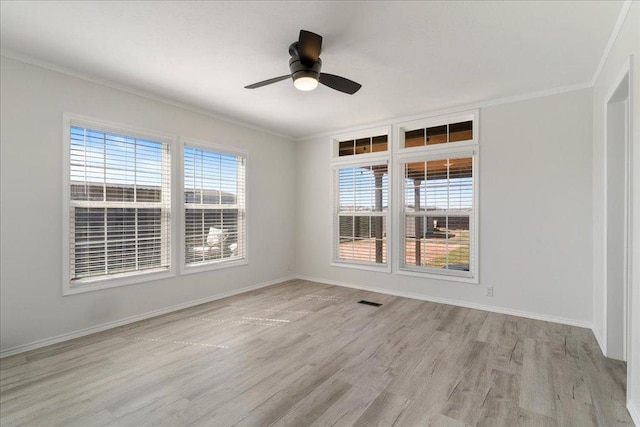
[
  {"x": 121, "y": 279},
  {"x": 436, "y": 152},
  {"x": 243, "y": 231},
  {"x": 361, "y": 160}
]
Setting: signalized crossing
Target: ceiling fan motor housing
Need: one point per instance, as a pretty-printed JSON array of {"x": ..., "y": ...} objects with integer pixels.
[{"x": 299, "y": 69}]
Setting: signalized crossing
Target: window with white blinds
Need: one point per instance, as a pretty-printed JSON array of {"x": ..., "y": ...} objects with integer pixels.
[
  {"x": 214, "y": 207},
  {"x": 361, "y": 213},
  {"x": 437, "y": 214},
  {"x": 427, "y": 228},
  {"x": 119, "y": 205}
]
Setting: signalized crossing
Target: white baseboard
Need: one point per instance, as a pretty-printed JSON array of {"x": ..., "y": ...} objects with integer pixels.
[
  {"x": 109, "y": 325},
  {"x": 634, "y": 411},
  {"x": 493, "y": 309},
  {"x": 600, "y": 340}
]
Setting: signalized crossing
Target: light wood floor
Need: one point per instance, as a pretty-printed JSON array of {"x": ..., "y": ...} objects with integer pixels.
[{"x": 303, "y": 353}]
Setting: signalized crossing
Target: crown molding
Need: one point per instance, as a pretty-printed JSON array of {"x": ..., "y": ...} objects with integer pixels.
[
  {"x": 16, "y": 56},
  {"x": 626, "y": 6},
  {"x": 452, "y": 110}
]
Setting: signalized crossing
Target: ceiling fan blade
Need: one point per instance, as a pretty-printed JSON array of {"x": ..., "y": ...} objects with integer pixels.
[
  {"x": 268, "y": 82},
  {"x": 309, "y": 46},
  {"x": 339, "y": 83}
]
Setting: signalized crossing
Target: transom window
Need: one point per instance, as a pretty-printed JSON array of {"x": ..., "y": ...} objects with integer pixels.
[
  {"x": 438, "y": 132},
  {"x": 441, "y": 134},
  {"x": 366, "y": 145}
]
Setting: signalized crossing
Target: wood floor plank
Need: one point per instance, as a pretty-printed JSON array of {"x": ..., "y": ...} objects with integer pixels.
[
  {"x": 312, "y": 406},
  {"x": 574, "y": 412},
  {"x": 383, "y": 411},
  {"x": 500, "y": 406},
  {"x": 232, "y": 406},
  {"x": 536, "y": 392},
  {"x": 528, "y": 418},
  {"x": 439, "y": 420},
  {"x": 272, "y": 409},
  {"x": 472, "y": 386},
  {"x": 301, "y": 353}
]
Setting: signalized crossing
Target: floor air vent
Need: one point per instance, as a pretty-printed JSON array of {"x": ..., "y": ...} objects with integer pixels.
[{"x": 375, "y": 304}]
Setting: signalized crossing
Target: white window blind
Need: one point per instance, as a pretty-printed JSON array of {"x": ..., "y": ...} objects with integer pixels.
[
  {"x": 120, "y": 202},
  {"x": 437, "y": 215},
  {"x": 214, "y": 207},
  {"x": 361, "y": 214}
]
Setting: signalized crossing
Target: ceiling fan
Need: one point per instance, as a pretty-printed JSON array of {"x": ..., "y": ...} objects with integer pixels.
[{"x": 305, "y": 65}]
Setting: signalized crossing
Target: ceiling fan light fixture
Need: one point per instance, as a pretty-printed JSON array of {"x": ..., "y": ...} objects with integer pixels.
[
  {"x": 305, "y": 66},
  {"x": 305, "y": 82},
  {"x": 305, "y": 76}
]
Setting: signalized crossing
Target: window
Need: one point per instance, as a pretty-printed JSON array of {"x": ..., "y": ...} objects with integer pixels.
[
  {"x": 119, "y": 186},
  {"x": 363, "y": 194},
  {"x": 428, "y": 228},
  {"x": 437, "y": 214},
  {"x": 214, "y": 208},
  {"x": 438, "y": 132},
  {"x": 437, "y": 169},
  {"x": 361, "y": 209},
  {"x": 351, "y": 147},
  {"x": 118, "y": 214}
]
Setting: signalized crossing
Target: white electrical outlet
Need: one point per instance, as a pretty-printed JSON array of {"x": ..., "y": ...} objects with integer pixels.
[{"x": 489, "y": 291}]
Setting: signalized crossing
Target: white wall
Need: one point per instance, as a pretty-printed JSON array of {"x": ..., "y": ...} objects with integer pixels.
[
  {"x": 626, "y": 44},
  {"x": 32, "y": 103},
  {"x": 535, "y": 214}
]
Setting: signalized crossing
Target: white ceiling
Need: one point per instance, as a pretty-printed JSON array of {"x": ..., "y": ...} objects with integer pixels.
[{"x": 411, "y": 57}]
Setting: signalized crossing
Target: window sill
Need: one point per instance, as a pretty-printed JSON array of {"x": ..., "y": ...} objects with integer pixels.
[
  {"x": 438, "y": 276},
  {"x": 362, "y": 266},
  {"x": 219, "y": 265},
  {"x": 79, "y": 287}
]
